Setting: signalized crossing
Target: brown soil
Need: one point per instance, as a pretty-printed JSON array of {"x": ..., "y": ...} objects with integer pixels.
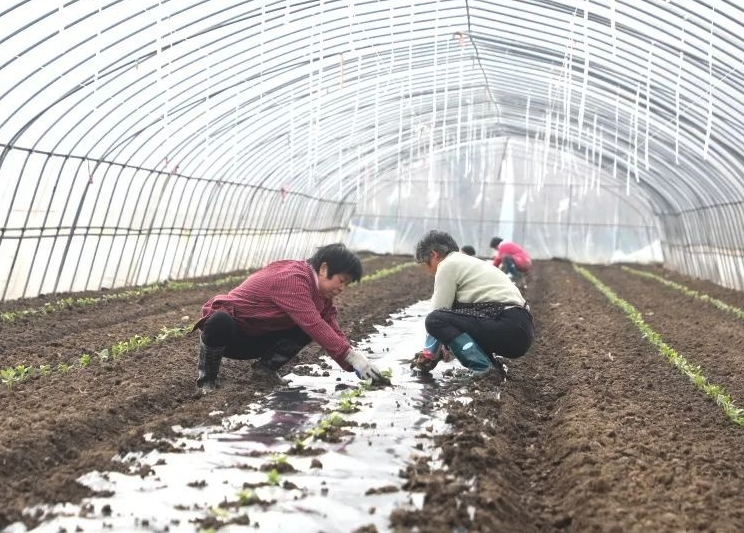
[
  {"x": 61, "y": 425},
  {"x": 594, "y": 431}
]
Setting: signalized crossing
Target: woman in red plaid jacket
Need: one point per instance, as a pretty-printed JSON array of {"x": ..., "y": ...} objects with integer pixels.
[{"x": 276, "y": 312}]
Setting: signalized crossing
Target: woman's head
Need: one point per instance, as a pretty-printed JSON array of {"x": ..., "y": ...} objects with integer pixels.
[
  {"x": 434, "y": 242},
  {"x": 337, "y": 267}
]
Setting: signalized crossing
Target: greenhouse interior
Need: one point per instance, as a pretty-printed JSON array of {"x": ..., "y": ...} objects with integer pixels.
[
  {"x": 173, "y": 140},
  {"x": 163, "y": 150}
]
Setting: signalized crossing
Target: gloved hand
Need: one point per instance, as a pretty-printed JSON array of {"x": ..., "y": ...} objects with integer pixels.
[{"x": 364, "y": 369}]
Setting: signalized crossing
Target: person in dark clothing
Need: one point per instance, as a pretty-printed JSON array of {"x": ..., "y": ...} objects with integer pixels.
[{"x": 276, "y": 312}]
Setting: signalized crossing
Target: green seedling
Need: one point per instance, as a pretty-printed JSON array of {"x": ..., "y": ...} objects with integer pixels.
[
  {"x": 317, "y": 431},
  {"x": 45, "y": 369},
  {"x": 64, "y": 368},
  {"x": 9, "y": 377},
  {"x": 104, "y": 355},
  {"x": 387, "y": 373},
  {"x": 279, "y": 459},
  {"x": 352, "y": 393},
  {"x": 180, "y": 285},
  {"x": 348, "y": 406},
  {"x": 85, "y": 360},
  {"x": 335, "y": 420},
  {"x": 138, "y": 341},
  {"x": 221, "y": 513},
  {"x": 118, "y": 349},
  {"x": 272, "y": 477},
  {"x": 247, "y": 497},
  {"x": 166, "y": 333},
  {"x": 24, "y": 371}
]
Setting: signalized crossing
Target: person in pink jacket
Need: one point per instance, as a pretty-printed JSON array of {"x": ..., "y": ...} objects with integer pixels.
[{"x": 510, "y": 257}]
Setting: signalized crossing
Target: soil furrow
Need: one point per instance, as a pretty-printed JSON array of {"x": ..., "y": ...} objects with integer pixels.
[
  {"x": 594, "y": 431},
  {"x": 703, "y": 334},
  {"x": 600, "y": 433}
]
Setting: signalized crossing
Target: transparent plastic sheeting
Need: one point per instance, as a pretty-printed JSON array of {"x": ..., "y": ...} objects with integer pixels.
[
  {"x": 125, "y": 124},
  {"x": 554, "y": 205},
  {"x": 332, "y": 498}
]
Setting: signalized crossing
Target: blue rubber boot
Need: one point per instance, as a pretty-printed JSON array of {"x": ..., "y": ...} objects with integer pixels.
[
  {"x": 431, "y": 344},
  {"x": 469, "y": 353}
]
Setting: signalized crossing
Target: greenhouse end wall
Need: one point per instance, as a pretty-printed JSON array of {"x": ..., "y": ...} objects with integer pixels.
[{"x": 558, "y": 208}]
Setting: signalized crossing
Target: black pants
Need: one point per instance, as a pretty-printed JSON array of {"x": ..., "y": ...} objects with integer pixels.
[
  {"x": 510, "y": 334},
  {"x": 509, "y": 266},
  {"x": 220, "y": 329}
]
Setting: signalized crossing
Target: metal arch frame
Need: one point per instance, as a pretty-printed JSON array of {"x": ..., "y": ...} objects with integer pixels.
[
  {"x": 639, "y": 64},
  {"x": 469, "y": 15},
  {"x": 384, "y": 38}
]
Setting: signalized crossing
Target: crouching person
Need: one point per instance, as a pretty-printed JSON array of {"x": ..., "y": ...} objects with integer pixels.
[
  {"x": 276, "y": 312},
  {"x": 478, "y": 313}
]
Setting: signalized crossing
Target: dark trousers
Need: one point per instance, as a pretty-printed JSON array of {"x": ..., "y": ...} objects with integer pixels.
[
  {"x": 509, "y": 266},
  {"x": 220, "y": 330},
  {"x": 510, "y": 334}
]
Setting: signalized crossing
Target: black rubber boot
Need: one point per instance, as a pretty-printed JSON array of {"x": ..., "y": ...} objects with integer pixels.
[
  {"x": 209, "y": 366},
  {"x": 281, "y": 353}
]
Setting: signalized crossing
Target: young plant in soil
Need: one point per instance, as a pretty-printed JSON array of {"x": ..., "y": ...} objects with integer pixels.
[
  {"x": 279, "y": 463},
  {"x": 273, "y": 477},
  {"x": 71, "y": 302},
  {"x": 132, "y": 344},
  {"x": 9, "y": 377},
  {"x": 739, "y": 313},
  {"x": 694, "y": 373}
]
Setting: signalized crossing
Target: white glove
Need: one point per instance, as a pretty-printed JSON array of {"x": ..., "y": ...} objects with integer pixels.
[{"x": 363, "y": 368}]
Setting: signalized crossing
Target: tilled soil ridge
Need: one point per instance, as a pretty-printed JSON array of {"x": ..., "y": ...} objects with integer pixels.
[
  {"x": 594, "y": 432},
  {"x": 705, "y": 335}
]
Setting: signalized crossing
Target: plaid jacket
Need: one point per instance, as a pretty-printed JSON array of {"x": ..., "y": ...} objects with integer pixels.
[{"x": 280, "y": 296}]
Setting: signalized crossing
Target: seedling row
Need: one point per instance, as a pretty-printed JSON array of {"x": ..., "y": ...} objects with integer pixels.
[{"x": 693, "y": 372}]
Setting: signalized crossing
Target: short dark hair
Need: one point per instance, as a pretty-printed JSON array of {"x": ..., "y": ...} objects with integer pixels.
[
  {"x": 467, "y": 249},
  {"x": 496, "y": 241},
  {"x": 340, "y": 260},
  {"x": 435, "y": 241}
]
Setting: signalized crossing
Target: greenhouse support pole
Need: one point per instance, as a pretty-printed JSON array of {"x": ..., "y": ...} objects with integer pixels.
[{"x": 568, "y": 218}]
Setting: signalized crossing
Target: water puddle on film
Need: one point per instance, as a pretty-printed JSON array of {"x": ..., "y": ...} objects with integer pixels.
[{"x": 243, "y": 473}]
